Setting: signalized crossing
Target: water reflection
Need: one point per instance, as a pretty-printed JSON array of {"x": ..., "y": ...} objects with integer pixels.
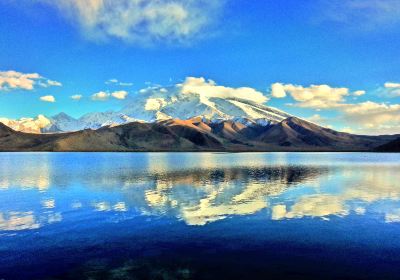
[
  {"x": 374, "y": 187},
  {"x": 17, "y": 221},
  {"x": 202, "y": 196},
  {"x": 41, "y": 188},
  {"x": 12, "y": 221}
]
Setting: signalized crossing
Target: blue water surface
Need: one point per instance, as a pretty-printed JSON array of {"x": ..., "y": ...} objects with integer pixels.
[{"x": 199, "y": 216}]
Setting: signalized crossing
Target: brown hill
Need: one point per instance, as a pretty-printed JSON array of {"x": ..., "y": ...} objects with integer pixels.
[
  {"x": 291, "y": 134},
  {"x": 296, "y": 133}
]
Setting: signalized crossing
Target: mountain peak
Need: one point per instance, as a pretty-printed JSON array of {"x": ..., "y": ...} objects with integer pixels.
[{"x": 62, "y": 115}]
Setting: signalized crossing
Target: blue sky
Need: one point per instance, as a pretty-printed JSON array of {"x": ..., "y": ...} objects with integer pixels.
[{"x": 336, "y": 61}]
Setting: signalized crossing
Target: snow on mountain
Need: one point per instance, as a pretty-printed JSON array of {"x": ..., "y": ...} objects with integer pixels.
[
  {"x": 63, "y": 122},
  {"x": 195, "y": 97}
]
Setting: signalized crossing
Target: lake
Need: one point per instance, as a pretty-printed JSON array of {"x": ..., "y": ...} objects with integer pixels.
[{"x": 199, "y": 216}]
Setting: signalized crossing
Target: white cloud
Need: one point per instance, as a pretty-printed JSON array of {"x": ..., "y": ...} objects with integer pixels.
[
  {"x": 393, "y": 89},
  {"x": 141, "y": 21},
  {"x": 314, "y": 96},
  {"x": 362, "y": 118},
  {"x": 54, "y": 83},
  {"x": 374, "y": 117},
  {"x": 12, "y": 80},
  {"x": 103, "y": 96},
  {"x": 359, "y": 92},
  {"x": 208, "y": 88},
  {"x": 31, "y": 125},
  {"x": 76, "y": 97},
  {"x": 366, "y": 118},
  {"x": 121, "y": 94},
  {"x": 278, "y": 90},
  {"x": 317, "y": 119},
  {"x": 392, "y": 85},
  {"x": 16, "y": 80},
  {"x": 100, "y": 96},
  {"x": 118, "y": 83},
  {"x": 48, "y": 98},
  {"x": 364, "y": 15},
  {"x": 154, "y": 104}
]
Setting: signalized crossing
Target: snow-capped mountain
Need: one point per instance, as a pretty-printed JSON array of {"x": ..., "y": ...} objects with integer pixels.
[
  {"x": 159, "y": 105},
  {"x": 155, "y": 108},
  {"x": 63, "y": 122},
  {"x": 194, "y": 98}
]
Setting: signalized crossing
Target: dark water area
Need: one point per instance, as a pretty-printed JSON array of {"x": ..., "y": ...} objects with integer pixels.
[{"x": 199, "y": 216}]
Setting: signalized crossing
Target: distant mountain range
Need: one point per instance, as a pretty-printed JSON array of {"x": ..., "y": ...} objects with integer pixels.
[
  {"x": 197, "y": 134},
  {"x": 157, "y": 106},
  {"x": 170, "y": 121}
]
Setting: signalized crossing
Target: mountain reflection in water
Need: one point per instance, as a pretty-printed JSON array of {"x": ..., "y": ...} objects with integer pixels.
[{"x": 62, "y": 199}]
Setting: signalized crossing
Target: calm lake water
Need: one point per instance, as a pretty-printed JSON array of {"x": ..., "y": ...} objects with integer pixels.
[{"x": 199, "y": 216}]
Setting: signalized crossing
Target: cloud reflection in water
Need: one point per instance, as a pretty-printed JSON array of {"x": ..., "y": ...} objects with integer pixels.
[{"x": 196, "y": 188}]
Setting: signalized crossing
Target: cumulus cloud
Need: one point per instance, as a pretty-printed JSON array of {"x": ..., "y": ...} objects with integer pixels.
[
  {"x": 76, "y": 97},
  {"x": 17, "y": 80},
  {"x": 363, "y": 118},
  {"x": 208, "y": 88},
  {"x": 12, "y": 80},
  {"x": 154, "y": 104},
  {"x": 314, "y": 96},
  {"x": 359, "y": 92},
  {"x": 121, "y": 94},
  {"x": 48, "y": 98},
  {"x": 278, "y": 90},
  {"x": 100, "y": 96},
  {"x": 374, "y": 117},
  {"x": 31, "y": 125},
  {"x": 141, "y": 21},
  {"x": 103, "y": 96}
]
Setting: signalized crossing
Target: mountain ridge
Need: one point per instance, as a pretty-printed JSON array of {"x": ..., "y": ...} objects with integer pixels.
[
  {"x": 197, "y": 134},
  {"x": 156, "y": 105}
]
